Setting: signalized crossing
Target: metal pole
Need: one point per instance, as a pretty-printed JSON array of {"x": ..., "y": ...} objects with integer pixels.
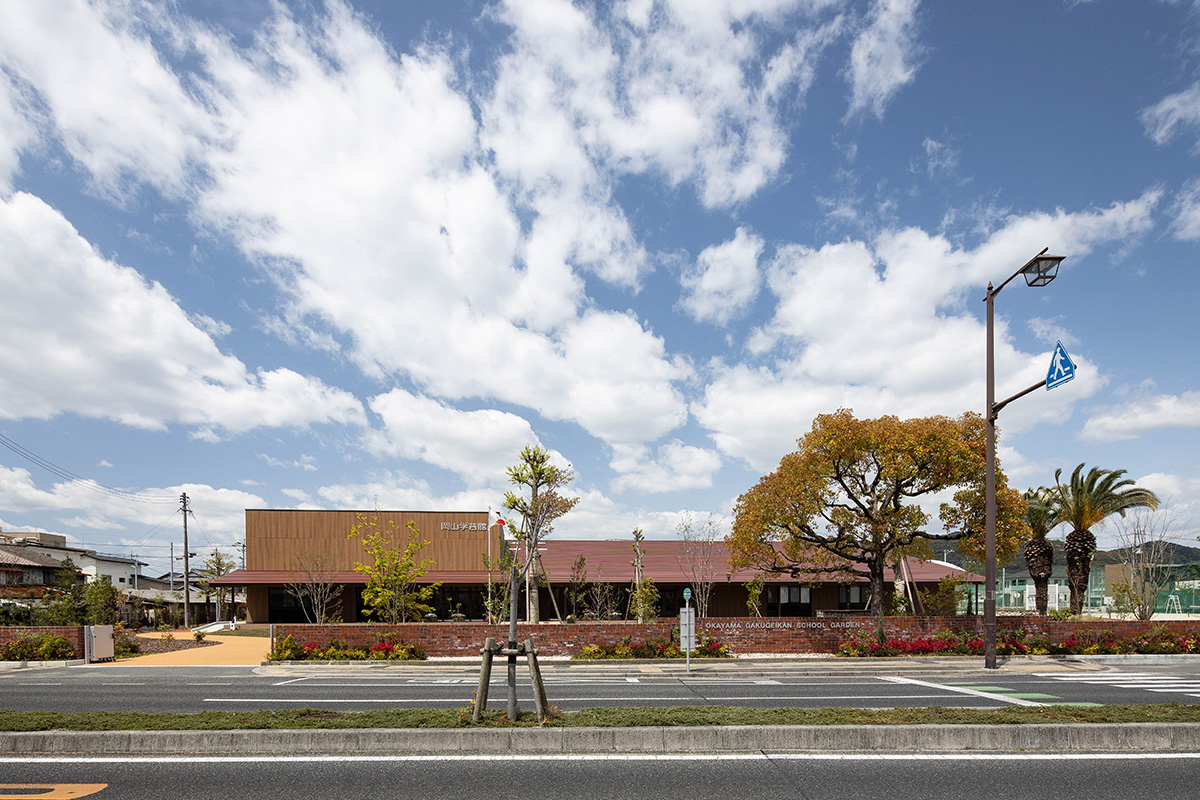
[
  {"x": 187, "y": 588},
  {"x": 989, "y": 574}
]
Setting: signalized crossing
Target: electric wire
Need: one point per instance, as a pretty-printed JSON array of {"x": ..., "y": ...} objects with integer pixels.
[{"x": 87, "y": 483}]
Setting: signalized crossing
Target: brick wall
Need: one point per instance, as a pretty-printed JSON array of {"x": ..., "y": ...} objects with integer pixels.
[
  {"x": 72, "y": 633},
  {"x": 742, "y": 634}
]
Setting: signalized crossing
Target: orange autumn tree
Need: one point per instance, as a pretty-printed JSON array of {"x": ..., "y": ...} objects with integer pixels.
[{"x": 847, "y": 500}]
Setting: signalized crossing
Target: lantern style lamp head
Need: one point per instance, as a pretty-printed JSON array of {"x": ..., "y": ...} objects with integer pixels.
[{"x": 1041, "y": 269}]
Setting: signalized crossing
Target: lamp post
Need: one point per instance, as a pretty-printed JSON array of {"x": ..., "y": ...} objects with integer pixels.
[{"x": 1040, "y": 270}]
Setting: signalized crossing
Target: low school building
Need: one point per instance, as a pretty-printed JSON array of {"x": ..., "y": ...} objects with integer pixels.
[{"x": 584, "y": 578}]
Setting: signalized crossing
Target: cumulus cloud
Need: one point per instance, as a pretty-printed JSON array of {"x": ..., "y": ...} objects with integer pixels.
[
  {"x": 219, "y": 512},
  {"x": 477, "y": 445},
  {"x": 98, "y": 340},
  {"x": 883, "y": 55},
  {"x": 725, "y": 279},
  {"x": 128, "y": 123},
  {"x": 1146, "y": 412},
  {"x": 677, "y": 466},
  {"x": 883, "y": 328}
]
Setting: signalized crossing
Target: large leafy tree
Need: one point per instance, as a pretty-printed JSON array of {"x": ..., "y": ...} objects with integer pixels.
[
  {"x": 1083, "y": 503},
  {"x": 848, "y": 498},
  {"x": 1041, "y": 515}
]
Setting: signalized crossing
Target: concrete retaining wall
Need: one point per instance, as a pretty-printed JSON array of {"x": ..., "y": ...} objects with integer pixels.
[{"x": 1081, "y": 738}]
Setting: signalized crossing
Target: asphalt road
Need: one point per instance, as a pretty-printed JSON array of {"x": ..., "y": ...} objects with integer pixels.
[
  {"x": 573, "y": 687},
  {"x": 896, "y": 777}
]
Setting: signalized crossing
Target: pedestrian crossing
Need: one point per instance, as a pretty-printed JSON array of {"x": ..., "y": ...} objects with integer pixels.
[{"x": 1163, "y": 684}]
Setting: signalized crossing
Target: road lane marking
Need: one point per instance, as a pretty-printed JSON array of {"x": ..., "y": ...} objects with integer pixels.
[
  {"x": 613, "y": 699},
  {"x": 560, "y": 757},
  {"x": 1003, "y": 698}
]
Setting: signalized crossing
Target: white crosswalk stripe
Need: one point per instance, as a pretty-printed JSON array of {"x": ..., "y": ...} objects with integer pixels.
[{"x": 1133, "y": 680}]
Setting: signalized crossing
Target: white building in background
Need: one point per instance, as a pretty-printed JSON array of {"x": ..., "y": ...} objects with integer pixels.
[{"x": 122, "y": 571}]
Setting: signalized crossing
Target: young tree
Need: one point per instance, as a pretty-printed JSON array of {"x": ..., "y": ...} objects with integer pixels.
[
  {"x": 315, "y": 587},
  {"x": 497, "y": 599},
  {"x": 702, "y": 551},
  {"x": 1083, "y": 503},
  {"x": 103, "y": 602},
  {"x": 1145, "y": 540},
  {"x": 538, "y": 511},
  {"x": 846, "y": 499},
  {"x": 65, "y": 602},
  {"x": 216, "y": 565},
  {"x": 392, "y": 593},
  {"x": 1041, "y": 516},
  {"x": 643, "y": 599},
  {"x": 754, "y": 590},
  {"x": 577, "y": 588}
]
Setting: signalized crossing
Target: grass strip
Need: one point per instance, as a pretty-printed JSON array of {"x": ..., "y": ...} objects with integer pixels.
[{"x": 309, "y": 718}]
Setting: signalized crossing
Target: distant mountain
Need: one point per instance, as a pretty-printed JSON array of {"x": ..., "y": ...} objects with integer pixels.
[{"x": 1175, "y": 554}]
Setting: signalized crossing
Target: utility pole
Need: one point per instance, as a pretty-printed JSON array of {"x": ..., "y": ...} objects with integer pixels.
[
  {"x": 241, "y": 548},
  {"x": 187, "y": 589}
]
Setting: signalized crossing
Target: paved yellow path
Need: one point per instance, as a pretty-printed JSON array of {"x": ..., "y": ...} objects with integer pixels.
[{"x": 229, "y": 651}]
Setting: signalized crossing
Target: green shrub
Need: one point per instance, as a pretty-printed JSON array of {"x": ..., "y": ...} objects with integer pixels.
[
  {"x": 55, "y": 648},
  {"x": 286, "y": 649},
  {"x": 661, "y": 647},
  {"x": 198, "y": 636},
  {"x": 37, "y": 647}
]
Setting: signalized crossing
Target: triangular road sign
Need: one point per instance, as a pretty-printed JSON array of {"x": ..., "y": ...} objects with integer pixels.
[{"x": 1062, "y": 368}]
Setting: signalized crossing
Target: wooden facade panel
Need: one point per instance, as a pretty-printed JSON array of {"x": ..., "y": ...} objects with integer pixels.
[{"x": 276, "y": 538}]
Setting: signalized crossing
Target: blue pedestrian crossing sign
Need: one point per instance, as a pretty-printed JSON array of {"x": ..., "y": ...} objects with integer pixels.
[{"x": 1062, "y": 368}]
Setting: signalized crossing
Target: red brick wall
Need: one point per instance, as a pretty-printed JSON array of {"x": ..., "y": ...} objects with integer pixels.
[
  {"x": 742, "y": 634},
  {"x": 72, "y": 633}
]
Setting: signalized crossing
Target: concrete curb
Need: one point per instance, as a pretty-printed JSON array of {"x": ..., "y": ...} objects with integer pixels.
[{"x": 1082, "y": 738}]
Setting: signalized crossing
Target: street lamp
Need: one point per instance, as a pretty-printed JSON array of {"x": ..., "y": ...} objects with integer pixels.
[{"x": 1040, "y": 270}]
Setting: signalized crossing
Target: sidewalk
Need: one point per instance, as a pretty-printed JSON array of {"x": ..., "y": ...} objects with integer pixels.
[{"x": 229, "y": 651}]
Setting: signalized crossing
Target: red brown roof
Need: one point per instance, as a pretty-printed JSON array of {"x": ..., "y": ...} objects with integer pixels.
[{"x": 610, "y": 561}]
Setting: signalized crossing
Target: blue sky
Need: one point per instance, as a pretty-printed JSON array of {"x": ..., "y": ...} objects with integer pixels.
[{"x": 334, "y": 255}]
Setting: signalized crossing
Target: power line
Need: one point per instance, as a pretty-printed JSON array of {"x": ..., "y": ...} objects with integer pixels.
[{"x": 87, "y": 483}]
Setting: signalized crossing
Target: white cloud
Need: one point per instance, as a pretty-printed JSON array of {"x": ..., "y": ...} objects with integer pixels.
[
  {"x": 1186, "y": 210},
  {"x": 1164, "y": 119},
  {"x": 93, "y": 338},
  {"x": 477, "y": 445},
  {"x": 19, "y": 131},
  {"x": 883, "y": 55},
  {"x": 219, "y": 513},
  {"x": 130, "y": 121},
  {"x": 406, "y": 242},
  {"x": 725, "y": 279},
  {"x": 884, "y": 328},
  {"x": 1145, "y": 412},
  {"x": 676, "y": 467}
]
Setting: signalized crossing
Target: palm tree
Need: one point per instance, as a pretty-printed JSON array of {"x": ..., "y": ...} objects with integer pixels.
[
  {"x": 1041, "y": 515},
  {"x": 1083, "y": 503}
]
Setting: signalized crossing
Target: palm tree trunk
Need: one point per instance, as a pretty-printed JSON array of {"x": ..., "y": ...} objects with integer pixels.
[
  {"x": 1080, "y": 545},
  {"x": 1041, "y": 588}
]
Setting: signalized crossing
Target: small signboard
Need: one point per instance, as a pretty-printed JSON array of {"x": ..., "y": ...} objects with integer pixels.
[
  {"x": 687, "y": 593},
  {"x": 687, "y": 629},
  {"x": 1062, "y": 368}
]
